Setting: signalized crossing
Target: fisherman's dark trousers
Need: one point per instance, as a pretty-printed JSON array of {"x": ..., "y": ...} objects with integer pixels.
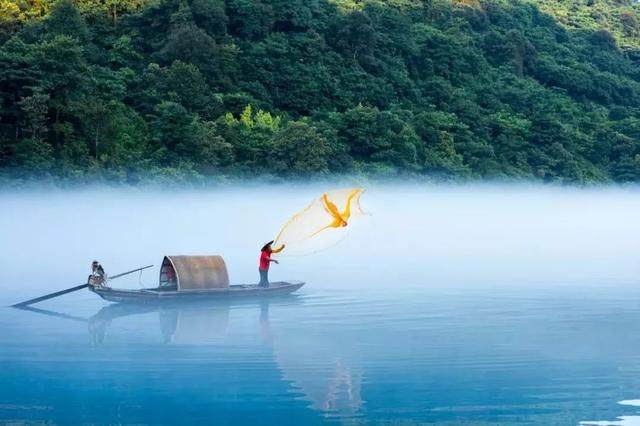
[{"x": 264, "y": 277}]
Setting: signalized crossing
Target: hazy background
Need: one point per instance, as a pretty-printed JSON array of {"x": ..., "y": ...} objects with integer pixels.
[{"x": 433, "y": 235}]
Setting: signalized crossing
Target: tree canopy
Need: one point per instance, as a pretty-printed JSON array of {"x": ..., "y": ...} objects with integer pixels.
[{"x": 184, "y": 89}]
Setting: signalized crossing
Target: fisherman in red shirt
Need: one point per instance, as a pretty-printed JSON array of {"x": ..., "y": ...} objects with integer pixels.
[{"x": 265, "y": 262}]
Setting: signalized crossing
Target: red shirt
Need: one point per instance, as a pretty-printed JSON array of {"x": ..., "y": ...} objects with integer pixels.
[{"x": 265, "y": 258}]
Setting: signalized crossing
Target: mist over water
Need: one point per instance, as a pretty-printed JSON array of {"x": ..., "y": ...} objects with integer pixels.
[
  {"x": 479, "y": 304},
  {"x": 417, "y": 235}
]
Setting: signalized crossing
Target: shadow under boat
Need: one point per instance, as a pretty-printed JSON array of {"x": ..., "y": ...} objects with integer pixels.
[{"x": 118, "y": 310}]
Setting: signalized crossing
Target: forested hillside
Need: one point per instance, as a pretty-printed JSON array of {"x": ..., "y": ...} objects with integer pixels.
[{"x": 184, "y": 89}]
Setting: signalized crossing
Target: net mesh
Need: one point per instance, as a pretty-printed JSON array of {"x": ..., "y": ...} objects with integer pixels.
[{"x": 323, "y": 223}]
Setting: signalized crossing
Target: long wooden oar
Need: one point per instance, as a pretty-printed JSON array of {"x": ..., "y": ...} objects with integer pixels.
[{"x": 70, "y": 290}]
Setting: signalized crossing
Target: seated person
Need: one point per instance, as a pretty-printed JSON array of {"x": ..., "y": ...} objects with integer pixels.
[{"x": 98, "y": 277}]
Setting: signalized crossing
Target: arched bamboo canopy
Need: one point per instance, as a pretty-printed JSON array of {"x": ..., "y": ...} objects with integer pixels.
[{"x": 194, "y": 272}]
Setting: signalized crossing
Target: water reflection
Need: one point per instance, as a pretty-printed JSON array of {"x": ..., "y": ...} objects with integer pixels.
[
  {"x": 316, "y": 372},
  {"x": 179, "y": 324},
  {"x": 552, "y": 355},
  {"x": 51, "y": 313}
]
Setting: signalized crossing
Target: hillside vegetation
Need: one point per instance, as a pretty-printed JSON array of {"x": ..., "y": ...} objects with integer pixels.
[{"x": 185, "y": 89}]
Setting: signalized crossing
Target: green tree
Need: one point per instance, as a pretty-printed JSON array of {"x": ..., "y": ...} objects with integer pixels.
[
  {"x": 188, "y": 43},
  {"x": 299, "y": 150},
  {"x": 32, "y": 152},
  {"x": 65, "y": 20}
]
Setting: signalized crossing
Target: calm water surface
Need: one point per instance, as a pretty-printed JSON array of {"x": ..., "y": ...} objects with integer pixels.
[{"x": 448, "y": 305}]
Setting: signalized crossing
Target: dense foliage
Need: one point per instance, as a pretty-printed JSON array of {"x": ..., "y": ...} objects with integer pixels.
[{"x": 180, "y": 89}]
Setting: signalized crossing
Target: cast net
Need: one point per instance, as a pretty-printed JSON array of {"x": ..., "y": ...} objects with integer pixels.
[{"x": 322, "y": 224}]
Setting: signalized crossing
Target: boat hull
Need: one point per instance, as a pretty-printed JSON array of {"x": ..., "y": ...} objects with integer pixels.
[{"x": 233, "y": 291}]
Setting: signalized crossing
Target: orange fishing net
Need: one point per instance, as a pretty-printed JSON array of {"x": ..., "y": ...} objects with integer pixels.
[{"x": 323, "y": 223}]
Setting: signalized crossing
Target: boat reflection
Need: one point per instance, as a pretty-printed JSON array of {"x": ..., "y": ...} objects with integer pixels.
[
  {"x": 318, "y": 369},
  {"x": 180, "y": 324}
]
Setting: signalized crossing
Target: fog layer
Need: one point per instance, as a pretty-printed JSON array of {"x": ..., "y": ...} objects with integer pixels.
[{"x": 413, "y": 236}]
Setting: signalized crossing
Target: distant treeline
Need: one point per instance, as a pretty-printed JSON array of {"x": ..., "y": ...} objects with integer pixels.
[{"x": 187, "y": 89}]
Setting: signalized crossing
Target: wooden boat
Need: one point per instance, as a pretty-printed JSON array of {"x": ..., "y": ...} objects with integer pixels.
[
  {"x": 191, "y": 278},
  {"x": 158, "y": 295}
]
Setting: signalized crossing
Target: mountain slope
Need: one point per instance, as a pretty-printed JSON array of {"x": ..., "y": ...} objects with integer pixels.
[{"x": 180, "y": 89}]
